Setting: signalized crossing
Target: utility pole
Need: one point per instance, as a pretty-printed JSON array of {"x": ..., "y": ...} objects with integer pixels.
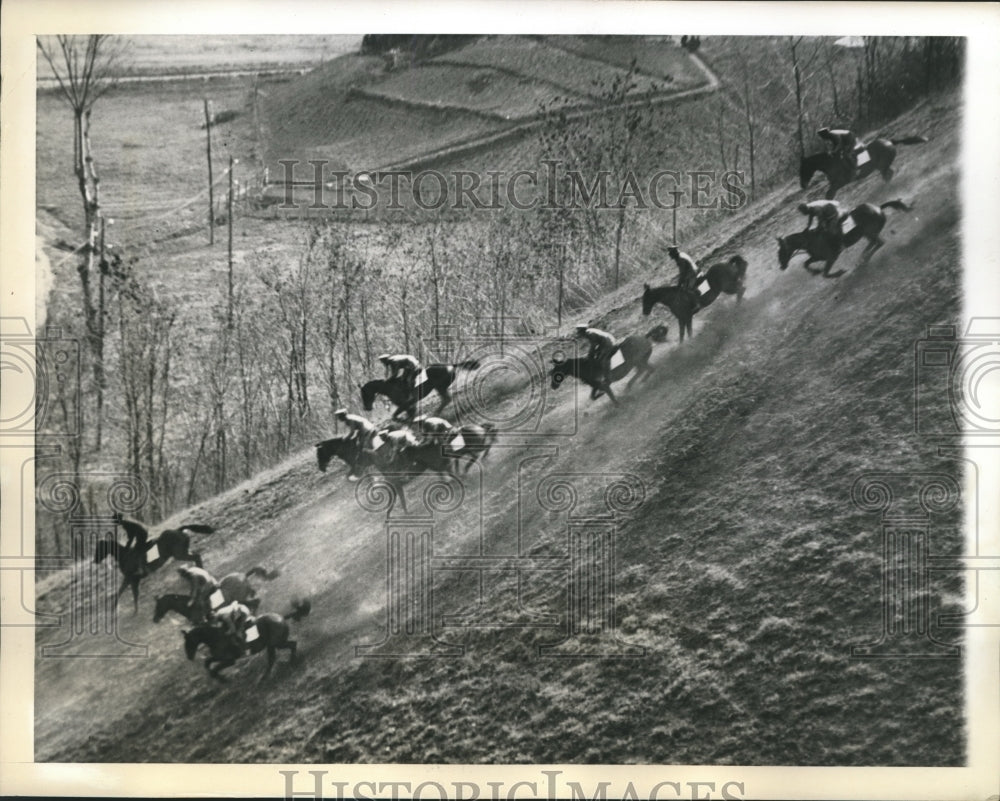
[
  {"x": 211, "y": 198},
  {"x": 229, "y": 215},
  {"x": 562, "y": 269}
]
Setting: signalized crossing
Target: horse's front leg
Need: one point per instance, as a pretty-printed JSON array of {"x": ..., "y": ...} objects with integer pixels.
[
  {"x": 216, "y": 673},
  {"x": 611, "y": 395},
  {"x": 828, "y": 274}
]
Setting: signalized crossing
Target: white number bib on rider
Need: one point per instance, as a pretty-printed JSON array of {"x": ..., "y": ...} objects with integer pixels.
[
  {"x": 152, "y": 553},
  {"x": 458, "y": 442},
  {"x": 216, "y": 599},
  {"x": 251, "y": 634},
  {"x": 863, "y": 157},
  {"x": 422, "y": 377},
  {"x": 847, "y": 225},
  {"x": 377, "y": 442},
  {"x": 617, "y": 359}
]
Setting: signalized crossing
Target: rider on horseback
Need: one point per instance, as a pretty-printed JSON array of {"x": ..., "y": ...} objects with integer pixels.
[
  {"x": 690, "y": 274},
  {"x": 361, "y": 430},
  {"x": 827, "y": 214},
  {"x": 235, "y": 619},
  {"x": 402, "y": 364},
  {"x": 202, "y": 585},
  {"x": 842, "y": 143}
]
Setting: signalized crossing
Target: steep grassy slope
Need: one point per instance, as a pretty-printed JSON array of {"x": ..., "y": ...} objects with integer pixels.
[{"x": 747, "y": 573}]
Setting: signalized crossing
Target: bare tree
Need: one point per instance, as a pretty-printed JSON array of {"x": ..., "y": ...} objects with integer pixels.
[{"x": 84, "y": 68}]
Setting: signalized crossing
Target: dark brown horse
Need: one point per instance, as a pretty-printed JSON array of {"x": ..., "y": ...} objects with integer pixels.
[
  {"x": 818, "y": 245},
  {"x": 868, "y": 220},
  {"x": 134, "y": 566},
  {"x": 394, "y": 467},
  {"x": 271, "y": 631},
  {"x": 877, "y": 156},
  {"x": 437, "y": 378},
  {"x": 683, "y": 303},
  {"x": 634, "y": 350},
  {"x": 728, "y": 276}
]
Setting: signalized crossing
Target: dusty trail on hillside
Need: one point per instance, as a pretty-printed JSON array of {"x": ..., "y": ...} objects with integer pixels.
[{"x": 746, "y": 573}]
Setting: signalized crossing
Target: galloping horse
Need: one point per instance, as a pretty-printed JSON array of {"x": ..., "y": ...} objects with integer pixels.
[
  {"x": 881, "y": 154},
  {"x": 273, "y": 634},
  {"x": 425, "y": 457},
  {"x": 869, "y": 220},
  {"x": 728, "y": 277},
  {"x": 635, "y": 351},
  {"x": 181, "y": 604},
  {"x": 173, "y": 543},
  {"x": 818, "y": 244},
  {"x": 438, "y": 378},
  {"x": 682, "y": 302}
]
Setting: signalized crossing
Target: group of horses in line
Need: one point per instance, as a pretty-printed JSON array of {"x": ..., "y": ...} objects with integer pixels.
[
  {"x": 135, "y": 564},
  {"x": 865, "y": 221}
]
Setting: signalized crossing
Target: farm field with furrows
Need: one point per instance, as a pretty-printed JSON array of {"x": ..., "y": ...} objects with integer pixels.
[
  {"x": 743, "y": 569},
  {"x": 487, "y": 90},
  {"x": 536, "y": 59},
  {"x": 152, "y": 161},
  {"x": 656, "y": 57}
]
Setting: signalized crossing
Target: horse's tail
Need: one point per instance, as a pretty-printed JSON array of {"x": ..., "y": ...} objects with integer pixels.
[
  {"x": 468, "y": 364},
  {"x": 657, "y": 333},
  {"x": 197, "y": 528},
  {"x": 263, "y": 572},
  {"x": 300, "y": 608},
  {"x": 896, "y": 204},
  {"x": 909, "y": 140}
]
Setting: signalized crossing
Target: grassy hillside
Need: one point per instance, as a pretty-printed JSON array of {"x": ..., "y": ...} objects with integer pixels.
[{"x": 747, "y": 573}]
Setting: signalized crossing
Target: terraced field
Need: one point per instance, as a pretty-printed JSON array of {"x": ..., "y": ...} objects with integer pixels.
[
  {"x": 659, "y": 58},
  {"x": 482, "y": 89},
  {"x": 536, "y": 60}
]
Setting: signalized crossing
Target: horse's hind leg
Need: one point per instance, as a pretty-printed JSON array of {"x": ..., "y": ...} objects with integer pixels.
[{"x": 445, "y": 399}]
